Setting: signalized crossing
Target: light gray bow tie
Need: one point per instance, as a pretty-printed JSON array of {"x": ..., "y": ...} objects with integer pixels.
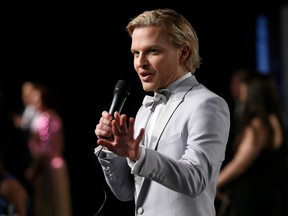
[{"x": 161, "y": 96}]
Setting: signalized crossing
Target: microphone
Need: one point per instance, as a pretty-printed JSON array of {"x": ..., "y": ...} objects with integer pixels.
[{"x": 121, "y": 92}]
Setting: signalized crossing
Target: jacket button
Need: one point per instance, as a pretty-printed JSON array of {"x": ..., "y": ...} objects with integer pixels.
[{"x": 140, "y": 210}]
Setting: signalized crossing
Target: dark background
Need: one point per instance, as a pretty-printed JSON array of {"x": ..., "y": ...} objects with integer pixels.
[{"x": 80, "y": 50}]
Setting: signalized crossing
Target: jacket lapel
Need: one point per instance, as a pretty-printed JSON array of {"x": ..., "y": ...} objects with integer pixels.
[{"x": 174, "y": 101}]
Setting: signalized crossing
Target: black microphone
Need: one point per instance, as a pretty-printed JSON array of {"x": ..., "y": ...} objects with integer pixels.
[{"x": 121, "y": 92}]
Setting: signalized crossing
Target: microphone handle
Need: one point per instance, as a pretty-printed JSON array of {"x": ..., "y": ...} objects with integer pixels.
[{"x": 117, "y": 103}]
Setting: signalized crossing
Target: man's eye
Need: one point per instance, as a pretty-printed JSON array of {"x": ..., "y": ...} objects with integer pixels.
[{"x": 153, "y": 51}]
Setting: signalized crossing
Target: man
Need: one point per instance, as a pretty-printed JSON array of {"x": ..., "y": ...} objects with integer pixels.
[{"x": 168, "y": 158}]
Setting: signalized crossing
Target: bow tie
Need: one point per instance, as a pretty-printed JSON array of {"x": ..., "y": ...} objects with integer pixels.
[{"x": 161, "y": 96}]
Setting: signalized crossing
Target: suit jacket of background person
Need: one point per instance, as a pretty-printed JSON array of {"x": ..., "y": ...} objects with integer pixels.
[{"x": 183, "y": 161}]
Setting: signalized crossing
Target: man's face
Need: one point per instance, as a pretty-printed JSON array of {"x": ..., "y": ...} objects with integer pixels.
[{"x": 156, "y": 59}]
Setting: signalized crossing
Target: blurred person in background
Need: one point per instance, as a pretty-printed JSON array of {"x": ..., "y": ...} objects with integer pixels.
[
  {"x": 48, "y": 172},
  {"x": 24, "y": 120},
  {"x": 238, "y": 78},
  {"x": 255, "y": 178},
  {"x": 14, "y": 198}
]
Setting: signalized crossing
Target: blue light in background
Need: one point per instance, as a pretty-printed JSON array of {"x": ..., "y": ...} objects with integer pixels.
[{"x": 262, "y": 45}]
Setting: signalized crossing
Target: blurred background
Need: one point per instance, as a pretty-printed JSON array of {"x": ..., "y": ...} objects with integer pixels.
[{"x": 81, "y": 50}]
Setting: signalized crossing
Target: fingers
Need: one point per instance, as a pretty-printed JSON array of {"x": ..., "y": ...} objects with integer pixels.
[
  {"x": 108, "y": 126},
  {"x": 131, "y": 128},
  {"x": 107, "y": 115},
  {"x": 140, "y": 135},
  {"x": 122, "y": 140},
  {"x": 103, "y": 128},
  {"x": 119, "y": 125}
]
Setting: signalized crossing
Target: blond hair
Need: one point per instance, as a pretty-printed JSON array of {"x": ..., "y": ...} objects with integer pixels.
[{"x": 178, "y": 28}]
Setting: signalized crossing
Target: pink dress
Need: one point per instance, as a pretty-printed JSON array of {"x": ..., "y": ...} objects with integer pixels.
[{"x": 48, "y": 172}]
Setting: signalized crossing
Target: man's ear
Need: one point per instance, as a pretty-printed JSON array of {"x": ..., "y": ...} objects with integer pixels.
[{"x": 184, "y": 53}]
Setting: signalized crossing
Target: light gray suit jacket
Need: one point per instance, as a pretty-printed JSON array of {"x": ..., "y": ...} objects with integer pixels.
[{"x": 181, "y": 167}]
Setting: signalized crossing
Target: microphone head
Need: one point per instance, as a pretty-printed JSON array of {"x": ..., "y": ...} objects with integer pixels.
[
  {"x": 122, "y": 87},
  {"x": 121, "y": 92}
]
